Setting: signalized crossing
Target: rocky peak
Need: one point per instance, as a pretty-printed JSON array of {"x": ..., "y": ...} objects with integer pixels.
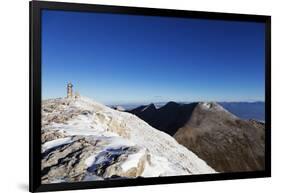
[
  {"x": 150, "y": 107},
  {"x": 84, "y": 140}
]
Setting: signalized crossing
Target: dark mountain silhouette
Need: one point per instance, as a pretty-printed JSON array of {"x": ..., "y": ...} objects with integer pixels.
[
  {"x": 168, "y": 118},
  {"x": 226, "y": 142}
]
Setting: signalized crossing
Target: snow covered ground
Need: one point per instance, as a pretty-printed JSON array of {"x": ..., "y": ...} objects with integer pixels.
[{"x": 125, "y": 145}]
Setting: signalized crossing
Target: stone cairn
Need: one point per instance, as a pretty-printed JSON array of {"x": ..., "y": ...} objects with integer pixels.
[{"x": 69, "y": 90}]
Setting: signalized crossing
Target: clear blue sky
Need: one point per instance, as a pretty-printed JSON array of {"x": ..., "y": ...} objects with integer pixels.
[{"x": 116, "y": 58}]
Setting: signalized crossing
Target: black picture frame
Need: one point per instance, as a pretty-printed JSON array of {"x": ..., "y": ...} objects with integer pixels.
[{"x": 35, "y": 95}]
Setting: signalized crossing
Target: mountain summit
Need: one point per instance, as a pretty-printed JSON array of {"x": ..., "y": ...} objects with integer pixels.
[
  {"x": 226, "y": 142},
  {"x": 83, "y": 140}
]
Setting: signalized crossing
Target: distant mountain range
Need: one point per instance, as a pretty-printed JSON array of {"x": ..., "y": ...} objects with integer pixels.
[
  {"x": 225, "y": 141},
  {"x": 246, "y": 110}
]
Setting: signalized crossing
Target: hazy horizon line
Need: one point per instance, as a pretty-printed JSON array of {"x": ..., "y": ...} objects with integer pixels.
[
  {"x": 186, "y": 102},
  {"x": 167, "y": 101}
]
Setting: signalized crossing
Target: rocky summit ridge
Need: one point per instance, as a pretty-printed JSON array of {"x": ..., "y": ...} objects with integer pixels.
[{"x": 83, "y": 140}]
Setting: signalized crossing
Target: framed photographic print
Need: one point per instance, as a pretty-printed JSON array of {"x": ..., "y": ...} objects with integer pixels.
[{"x": 126, "y": 96}]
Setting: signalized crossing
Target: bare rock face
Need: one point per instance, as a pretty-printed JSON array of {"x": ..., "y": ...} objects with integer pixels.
[
  {"x": 74, "y": 161},
  {"x": 225, "y": 142},
  {"x": 118, "y": 168},
  {"x": 49, "y": 135}
]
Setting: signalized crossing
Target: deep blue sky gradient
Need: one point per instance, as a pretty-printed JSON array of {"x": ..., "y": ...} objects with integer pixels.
[{"x": 116, "y": 58}]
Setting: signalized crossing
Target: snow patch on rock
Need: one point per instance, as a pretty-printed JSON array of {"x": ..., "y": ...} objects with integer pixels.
[{"x": 55, "y": 143}]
